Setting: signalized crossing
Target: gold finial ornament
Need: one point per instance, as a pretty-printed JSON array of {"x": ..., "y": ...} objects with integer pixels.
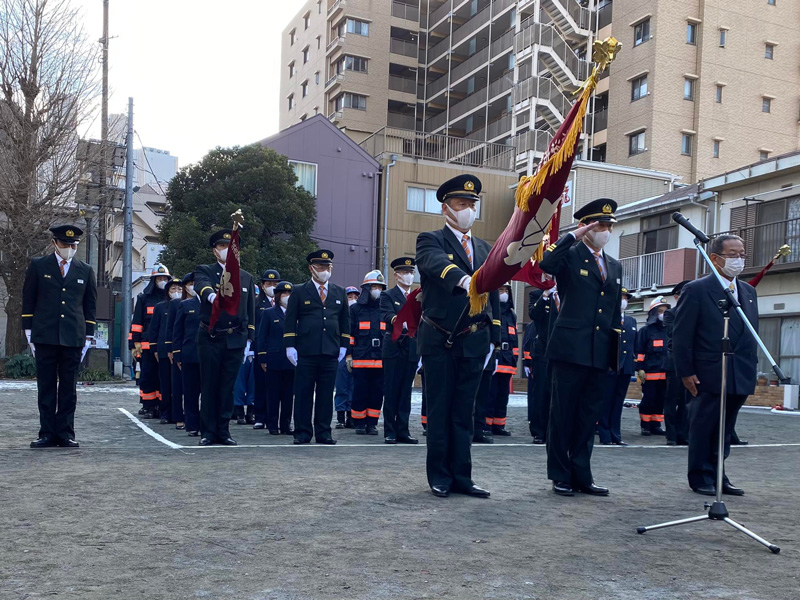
[
  {"x": 604, "y": 53},
  {"x": 784, "y": 250},
  {"x": 238, "y": 219}
]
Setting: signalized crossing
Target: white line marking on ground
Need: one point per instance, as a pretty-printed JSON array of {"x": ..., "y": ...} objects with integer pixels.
[{"x": 149, "y": 431}]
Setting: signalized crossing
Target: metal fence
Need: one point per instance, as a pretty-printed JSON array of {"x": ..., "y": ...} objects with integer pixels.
[
  {"x": 405, "y": 11},
  {"x": 398, "y": 46},
  {"x": 643, "y": 271}
]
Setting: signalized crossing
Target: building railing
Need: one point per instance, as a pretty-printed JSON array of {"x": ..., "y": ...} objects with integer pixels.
[
  {"x": 470, "y": 103},
  {"x": 438, "y": 147},
  {"x": 402, "y": 84},
  {"x": 547, "y": 35},
  {"x": 600, "y": 120},
  {"x": 534, "y": 140},
  {"x": 545, "y": 89},
  {"x": 440, "y": 13},
  {"x": 336, "y": 5},
  {"x": 581, "y": 15},
  {"x": 400, "y": 120},
  {"x": 405, "y": 11},
  {"x": 471, "y": 26},
  {"x": 761, "y": 242},
  {"x": 604, "y": 13},
  {"x": 643, "y": 271},
  {"x": 335, "y": 78},
  {"x": 338, "y": 39},
  {"x": 398, "y": 46}
]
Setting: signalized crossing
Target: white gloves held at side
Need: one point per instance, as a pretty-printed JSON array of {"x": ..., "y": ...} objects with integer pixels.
[{"x": 291, "y": 354}]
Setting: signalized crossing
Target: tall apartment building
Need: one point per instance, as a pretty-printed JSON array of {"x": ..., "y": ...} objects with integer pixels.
[{"x": 700, "y": 85}]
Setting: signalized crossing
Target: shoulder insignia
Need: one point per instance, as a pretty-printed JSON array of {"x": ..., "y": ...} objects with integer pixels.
[
  {"x": 551, "y": 247},
  {"x": 398, "y": 304}
]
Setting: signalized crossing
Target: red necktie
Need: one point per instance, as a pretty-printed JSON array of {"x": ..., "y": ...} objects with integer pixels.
[
  {"x": 599, "y": 264},
  {"x": 322, "y": 293},
  {"x": 61, "y": 265},
  {"x": 465, "y": 245}
]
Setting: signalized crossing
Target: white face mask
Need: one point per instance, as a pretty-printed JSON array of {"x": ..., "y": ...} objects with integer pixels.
[
  {"x": 269, "y": 290},
  {"x": 503, "y": 297},
  {"x": 161, "y": 284},
  {"x": 351, "y": 301},
  {"x": 660, "y": 316},
  {"x": 65, "y": 253},
  {"x": 322, "y": 276},
  {"x": 175, "y": 295},
  {"x": 190, "y": 290},
  {"x": 461, "y": 219},
  {"x": 624, "y": 304},
  {"x": 405, "y": 278},
  {"x": 599, "y": 239},
  {"x": 733, "y": 266},
  {"x": 375, "y": 294},
  {"x": 221, "y": 254},
  {"x": 285, "y": 300}
]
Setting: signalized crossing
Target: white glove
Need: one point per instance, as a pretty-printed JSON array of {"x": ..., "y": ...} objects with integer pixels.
[
  {"x": 464, "y": 283},
  {"x": 247, "y": 353},
  {"x": 211, "y": 297},
  {"x": 496, "y": 363},
  {"x": 527, "y": 371},
  {"x": 405, "y": 325},
  {"x": 30, "y": 343},
  {"x": 291, "y": 354},
  {"x": 419, "y": 365},
  {"x": 88, "y": 344},
  {"x": 342, "y": 352},
  {"x": 488, "y": 356}
]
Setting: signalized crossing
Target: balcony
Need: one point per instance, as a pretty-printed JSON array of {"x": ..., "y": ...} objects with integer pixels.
[
  {"x": 335, "y": 43},
  {"x": 567, "y": 68},
  {"x": 400, "y": 120},
  {"x": 405, "y": 11},
  {"x": 665, "y": 268},
  {"x": 334, "y": 8},
  {"x": 403, "y": 47},
  {"x": 335, "y": 116},
  {"x": 338, "y": 78},
  {"x": 761, "y": 242},
  {"x": 469, "y": 104},
  {"x": 544, "y": 93},
  {"x": 442, "y": 148},
  {"x": 534, "y": 140},
  {"x": 600, "y": 120},
  {"x": 464, "y": 32},
  {"x": 402, "y": 84}
]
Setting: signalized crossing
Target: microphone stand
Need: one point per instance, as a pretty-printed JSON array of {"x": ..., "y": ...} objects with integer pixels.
[{"x": 717, "y": 511}]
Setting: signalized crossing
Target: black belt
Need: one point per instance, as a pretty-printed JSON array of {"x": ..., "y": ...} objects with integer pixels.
[
  {"x": 216, "y": 331},
  {"x": 471, "y": 328}
]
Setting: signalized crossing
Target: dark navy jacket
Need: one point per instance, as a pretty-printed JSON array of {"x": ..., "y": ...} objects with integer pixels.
[
  {"x": 313, "y": 328},
  {"x": 628, "y": 343},
  {"x": 508, "y": 352},
  {"x": 391, "y": 302},
  {"x": 698, "y": 331},
  {"x": 527, "y": 344},
  {"x": 651, "y": 348},
  {"x": 184, "y": 332},
  {"x": 158, "y": 329},
  {"x": 544, "y": 313},
  {"x": 367, "y": 330},
  {"x": 269, "y": 340},
  {"x": 262, "y": 305}
]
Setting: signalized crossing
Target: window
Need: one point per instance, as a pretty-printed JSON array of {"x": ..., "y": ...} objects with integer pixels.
[
  {"x": 638, "y": 88},
  {"x": 691, "y": 33},
  {"x": 470, "y": 124},
  {"x": 641, "y": 32},
  {"x": 688, "y": 88},
  {"x": 319, "y": 42},
  {"x": 291, "y": 101},
  {"x": 292, "y": 37},
  {"x": 316, "y": 78},
  {"x": 305, "y": 55},
  {"x": 659, "y": 233},
  {"x": 719, "y": 94},
  {"x": 766, "y": 105},
  {"x": 716, "y": 149},
  {"x": 771, "y": 2},
  {"x": 763, "y": 155},
  {"x": 471, "y": 85},
  {"x": 472, "y": 46},
  {"x": 306, "y": 175},
  {"x": 723, "y": 37},
  {"x": 319, "y": 7},
  {"x": 769, "y": 51},
  {"x": 424, "y": 200},
  {"x": 636, "y": 143},
  {"x": 304, "y": 88},
  {"x": 348, "y": 100},
  {"x": 352, "y": 63},
  {"x": 686, "y": 144},
  {"x": 291, "y": 69},
  {"x": 306, "y": 20},
  {"x": 357, "y": 27}
]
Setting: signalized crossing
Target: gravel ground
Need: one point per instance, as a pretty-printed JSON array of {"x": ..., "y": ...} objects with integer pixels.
[{"x": 126, "y": 516}]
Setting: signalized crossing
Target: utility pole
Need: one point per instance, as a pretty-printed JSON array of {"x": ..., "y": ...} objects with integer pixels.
[
  {"x": 127, "y": 245},
  {"x": 102, "y": 215}
]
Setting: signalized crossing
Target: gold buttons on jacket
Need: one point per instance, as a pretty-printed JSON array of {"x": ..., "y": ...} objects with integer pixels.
[
  {"x": 599, "y": 310},
  {"x": 62, "y": 316},
  {"x": 602, "y": 293},
  {"x": 597, "y": 328}
]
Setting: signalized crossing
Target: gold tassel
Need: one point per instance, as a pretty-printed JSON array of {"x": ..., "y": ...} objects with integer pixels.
[{"x": 477, "y": 302}]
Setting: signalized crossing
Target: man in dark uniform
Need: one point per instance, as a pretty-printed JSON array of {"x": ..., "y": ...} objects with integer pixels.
[
  {"x": 58, "y": 312},
  {"x": 543, "y": 312},
  {"x": 580, "y": 347},
  {"x": 269, "y": 281},
  {"x": 160, "y": 335},
  {"x": 184, "y": 352},
  {"x": 446, "y": 260},
  {"x": 400, "y": 358},
  {"x": 275, "y": 366},
  {"x": 317, "y": 336},
  {"x": 696, "y": 340},
  {"x": 609, "y": 423},
  {"x": 222, "y": 348},
  {"x": 676, "y": 418}
]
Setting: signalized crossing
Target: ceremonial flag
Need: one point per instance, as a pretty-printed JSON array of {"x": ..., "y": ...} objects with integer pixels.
[
  {"x": 784, "y": 250},
  {"x": 538, "y": 196},
  {"x": 532, "y": 273},
  {"x": 410, "y": 314},
  {"x": 230, "y": 290}
]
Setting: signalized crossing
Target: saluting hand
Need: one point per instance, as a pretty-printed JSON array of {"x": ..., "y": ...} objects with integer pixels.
[
  {"x": 582, "y": 230},
  {"x": 690, "y": 383}
]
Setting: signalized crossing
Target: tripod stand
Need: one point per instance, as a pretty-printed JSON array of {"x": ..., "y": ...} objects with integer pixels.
[{"x": 717, "y": 511}]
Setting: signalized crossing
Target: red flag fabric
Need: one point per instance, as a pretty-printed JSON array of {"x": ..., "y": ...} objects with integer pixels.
[
  {"x": 531, "y": 273},
  {"x": 538, "y": 197},
  {"x": 410, "y": 314},
  {"x": 230, "y": 290}
]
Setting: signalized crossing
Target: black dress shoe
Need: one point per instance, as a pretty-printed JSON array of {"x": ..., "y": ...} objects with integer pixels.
[
  {"x": 327, "y": 441},
  {"x": 563, "y": 489},
  {"x": 440, "y": 491},
  {"x": 407, "y": 440},
  {"x": 727, "y": 488},
  {"x": 739, "y": 442},
  {"x": 481, "y": 438},
  {"x": 389, "y": 440},
  {"x": 287, "y": 431},
  {"x": 605, "y": 443},
  {"x": 360, "y": 430},
  {"x": 705, "y": 490},
  {"x": 193, "y": 433},
  {"x": 228, "y": 441},
  {"x": 620, "y": 443},
  {"x": 501, "y": 431},
  {"x": 241, "y": 421},
  {"x": 593, "y": 490},
  {"x": 371, "y": 430},
  {"x": 250, "y": 418},
  {"x": 298, "y": 442},
  {"x": 538, "y": 440},
  {"x": 259, "y": 426},
  {"x": 658, "y": 431},
  {"x": 141, "y": 411},
  {"x": 68, "y": 443},
  {"x": 44, "y": 442},
  {"x": 646, "y": 432},
  {"x": 206, "y": 442},
  {"x": 475, "y": 491},
  {"x": 339, "y": 426}
]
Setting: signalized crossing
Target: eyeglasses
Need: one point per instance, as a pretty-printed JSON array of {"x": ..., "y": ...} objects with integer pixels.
[{"x": 744, "y": 256}]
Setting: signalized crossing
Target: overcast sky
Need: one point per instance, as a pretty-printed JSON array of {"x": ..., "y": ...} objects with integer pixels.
[{"x": 201, "y": 73}]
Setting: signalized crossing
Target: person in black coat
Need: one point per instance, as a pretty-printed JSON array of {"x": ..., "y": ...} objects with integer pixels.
[
  {"x": 223, "y": 348},
  {"x": 543, "y": 312},
  {"x": 316, "y": 336},
  {"x": 697, "y": 336},
  {"x": 259, "y": 416},
  {"x": 506, "y": 368},
  {"x": 446, "y": 260},
  {"x": 184, "y": 352},
  {"x": 161, "y": 345},
  {"x": 400, "y": 358},
  {"x": 676, "y": 418},
  {"x": 59, "y": 297},
  {"x": 580, "y": 346},
  {"x": 651, "y": 362},
  {"x": 176, "y": 411},
  {"x": 609, "y": 425},
  {"x": 275, "y": 366}
]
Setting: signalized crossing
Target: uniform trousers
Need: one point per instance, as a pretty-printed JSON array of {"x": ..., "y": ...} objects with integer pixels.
[
  {"x": 703, "y": 436},
  {"x": 482, "y": 403},
  {"x": 165, "y": 385},
  {"x": 149, "y": 392},
  {"x": 610, "y": 422},
  {"x": 261, "y": 397},
  {"x": 576, "y": 401},
  {"x": 314, "y": 379},
  {"x": 651, "y": 408},
  {"x": 539, "y": 403},
  {"x": 344, "y": 388},
  {"x": 451, "y": 386},
  {"x": 244, "y": 390},
  {"x": 498, "y": 400},
  {"x": 219, "y": 367},
  {"x": 280, "y": 394},
  {"x": 190, "y": 373},
  {"x": 177, "y": 394},
  {"x": 423, "y": 419},
  {"x": 398, "y": 379},
  {"x": 56, "y": 381},
  {"x": 367, "y": 396},
  {"x": 676, "y": 417}
]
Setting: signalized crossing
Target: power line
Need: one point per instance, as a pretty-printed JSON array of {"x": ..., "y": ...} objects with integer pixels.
[{"x": 147, "y": 160}]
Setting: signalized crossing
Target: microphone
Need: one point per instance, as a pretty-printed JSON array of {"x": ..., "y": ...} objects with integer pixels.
[{"x": 686, "y": 224}]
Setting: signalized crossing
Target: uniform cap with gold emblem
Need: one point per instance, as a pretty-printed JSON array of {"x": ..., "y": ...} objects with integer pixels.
[
  {"x": 223, "y": 236},
  {"x": 463, "y": 186},
  {"x": 602, "y": 210},
  {"x": 67, "y": 233},
  {"x": 160, "y": 271},
  {"x": 320, "y": 257},
  {"x": 270, "y": 275},
  {"x": 284, "y": 287},
  {"x": 374, "y": 278},
  {"x": 404, "y": 263},
  {"x": 626, "y": 293}
]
